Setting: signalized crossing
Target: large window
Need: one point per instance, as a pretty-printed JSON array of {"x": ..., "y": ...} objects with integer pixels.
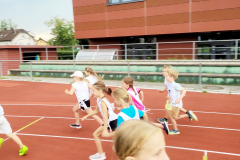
[{"x": 122, "y": 1}]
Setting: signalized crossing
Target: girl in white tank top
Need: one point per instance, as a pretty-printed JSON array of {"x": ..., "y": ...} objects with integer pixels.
[{"x": 109, "y": 117}]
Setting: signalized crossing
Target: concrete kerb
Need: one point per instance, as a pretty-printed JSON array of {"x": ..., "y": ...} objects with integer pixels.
[{"x": 221, "y": 89}]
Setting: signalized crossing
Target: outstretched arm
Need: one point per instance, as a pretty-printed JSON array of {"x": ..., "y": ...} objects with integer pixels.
[{"x": 70, "y": 92}]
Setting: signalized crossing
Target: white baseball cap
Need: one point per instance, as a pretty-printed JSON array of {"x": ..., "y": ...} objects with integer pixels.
[{"x": 77, "y": 74}]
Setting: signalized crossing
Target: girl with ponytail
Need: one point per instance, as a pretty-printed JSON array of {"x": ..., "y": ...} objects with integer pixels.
[
  {"x": 109, "y": 117},
  {"x": 91, "y": 78}
]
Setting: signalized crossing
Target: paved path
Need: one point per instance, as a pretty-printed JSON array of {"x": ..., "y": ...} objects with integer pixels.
[{"x": 145, "y": 85}]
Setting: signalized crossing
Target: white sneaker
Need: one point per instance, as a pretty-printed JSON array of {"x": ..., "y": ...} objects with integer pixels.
[{"x": 97, "y": 156}]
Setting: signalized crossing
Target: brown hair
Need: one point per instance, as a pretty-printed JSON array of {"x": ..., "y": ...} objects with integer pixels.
[
  {"x": 121, "y": 93},
  {"x": 131, "y": 136},
  {"x": 167, "y": 66},
  {"x": 129, "y": 80},
  {"x": 173, "y": 73},
  {"x": 89, "y": 69},
  {"x": 99, "y": 85}
]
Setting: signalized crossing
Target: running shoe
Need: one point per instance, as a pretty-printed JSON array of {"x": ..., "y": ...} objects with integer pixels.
[
  {"x": 191, "y": 115},
  {"x": 23, "y": 150},
  {"x": 161, "y": 120},
  {"x": 76, "y": 125},
  {"x": 1, "y": 141},
  {"x": 165, "y": 127},
  {"x": 173, "y": 131},
  {"x": 97, "y": 156}
]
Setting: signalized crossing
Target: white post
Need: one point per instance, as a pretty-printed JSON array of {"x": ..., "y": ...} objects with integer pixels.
[
  {"x": 128, "y": 69},
  {"x": 73, "y": 53},
  {"x": 31, "y": 70},
  {"x": 46, "y": 54},
  {"x": 156, "y": 51},
  {"x": 193, "y": 51},
  {"x": 236, "y": 49},
  {"x": 20, "y": 54},
  {"x": 200, "y": 75},
  {"x": 125, "y": 51}
]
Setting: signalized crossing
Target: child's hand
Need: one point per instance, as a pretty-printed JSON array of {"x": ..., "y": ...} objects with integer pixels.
[
  {"x": 84, "y": 118},
  {"x": 168, "y": 97},
  {"x": 142, "y": 100},
  {"x": 105, "y": 133},
  {"x": 161, "y": 91},
  {"x": 178, "y": 101},
  {"x": 66, "y": 91}
]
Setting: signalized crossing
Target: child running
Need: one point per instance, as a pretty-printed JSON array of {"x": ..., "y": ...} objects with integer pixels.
[
  {"x": 5, "y": 128},
  {"x": 91, "y": 78},
  {"x": 109, "y": 117},
  {"x": 139, "y": 140},
  {"x": 176, "y": 93},
  {"x": 80, "y": 88},
  {"x": 127, "y": 83},
  {"x": 128, "y": 112},
  {"x": 168, "y": 105}
]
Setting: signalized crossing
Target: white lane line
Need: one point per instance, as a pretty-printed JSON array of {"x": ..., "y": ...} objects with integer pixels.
[
  {"x": 228, "y": 129},
  {"x": 152, "y": 109},
  {"x": 91, "y": 139},
  {"x": 43, "y": 117}
]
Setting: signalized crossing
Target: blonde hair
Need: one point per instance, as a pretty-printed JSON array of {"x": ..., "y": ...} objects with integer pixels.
[
  {"x": 121, "y": 94},
  {"x": 80, "y": 78},
  {"x": 167, "y": 66},
  {"x": 129, "y": 80},
  {"x": 89, "y": 69},
  {"x": 99, "y": 85},
  {"x": 173, "y": 73},
  {"x": 131, "y": 136}
]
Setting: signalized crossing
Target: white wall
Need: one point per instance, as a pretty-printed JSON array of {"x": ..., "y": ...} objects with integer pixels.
[{"x": 20, "y": 39}]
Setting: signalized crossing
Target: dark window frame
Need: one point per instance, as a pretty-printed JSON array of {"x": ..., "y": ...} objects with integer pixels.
[{"x": 121, "y": 2}]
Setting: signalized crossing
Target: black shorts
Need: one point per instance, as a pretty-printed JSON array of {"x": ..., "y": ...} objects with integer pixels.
[
  {"x": 84, "y": 104},
  {"x": 112, "y": 124}
]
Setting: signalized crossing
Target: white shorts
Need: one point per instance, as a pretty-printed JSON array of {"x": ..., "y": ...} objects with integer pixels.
[{"x": 5, "y": 127}]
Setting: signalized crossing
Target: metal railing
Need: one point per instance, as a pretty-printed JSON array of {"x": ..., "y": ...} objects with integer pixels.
[{"x": 127, "y": 63}]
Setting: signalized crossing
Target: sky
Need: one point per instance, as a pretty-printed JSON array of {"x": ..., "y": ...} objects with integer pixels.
[{"x": 30, "y": 15}]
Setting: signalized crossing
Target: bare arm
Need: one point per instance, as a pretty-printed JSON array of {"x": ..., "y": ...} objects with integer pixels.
[
  {"x": 91, "y": 114},
  {"x": 105, "y": 114},
  {"x": 142, "y": 95},
  {"x": 145, "y": 117},
  {"x": 183, "y": 93},
  {"x": 71, "y": 92},
  {"x": 162, "y": 90}
]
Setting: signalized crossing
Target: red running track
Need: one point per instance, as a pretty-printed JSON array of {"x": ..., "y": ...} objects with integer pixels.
[{"x": 218, "y": 128}]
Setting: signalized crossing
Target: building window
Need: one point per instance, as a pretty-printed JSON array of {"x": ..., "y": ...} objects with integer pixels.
[{"x": 111, "y": 2}]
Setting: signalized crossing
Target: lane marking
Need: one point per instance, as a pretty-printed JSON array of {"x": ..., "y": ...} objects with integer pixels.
[
  {"x": 228, "y": 129},
  {"x": 152, "y": 109},
  {"x": 91, "y": 139},
  {"x": 25, "y": 127}
]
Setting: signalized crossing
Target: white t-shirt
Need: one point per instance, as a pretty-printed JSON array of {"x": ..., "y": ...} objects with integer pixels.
[
  {"x": 81, "y": 90},
  {"x": 166, "y": 83},
  {"x": 1, "y": 111},
  {"x": 92, "y": 79},
  {"x": 175, "y": 92}
]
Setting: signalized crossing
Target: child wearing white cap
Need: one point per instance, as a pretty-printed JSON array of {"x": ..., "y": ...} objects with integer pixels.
[{"x": 80, "y": 87}]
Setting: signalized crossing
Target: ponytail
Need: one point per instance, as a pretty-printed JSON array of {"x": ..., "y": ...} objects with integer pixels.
[
  {"x": 89, "y": 69},
  {"x": 99, "y": 85},
  {"x": 129, "y": 80}
]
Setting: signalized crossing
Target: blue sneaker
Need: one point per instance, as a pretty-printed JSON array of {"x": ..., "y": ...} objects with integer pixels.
[{"x": 173, "y": 131}]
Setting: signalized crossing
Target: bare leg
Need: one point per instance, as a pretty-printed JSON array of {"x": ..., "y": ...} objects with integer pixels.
[
  {"x": 158, "y": 125},
  {"x": 98, "y": 142},
  {"x": 183, "y": 110},
  {"x": 98, "y": 119},
  {"x": 181, "y": 116},
  {"x": 174, "y": 124},
  {"x": 76, "y": 114},
  {"x": 16, "y": 139}
]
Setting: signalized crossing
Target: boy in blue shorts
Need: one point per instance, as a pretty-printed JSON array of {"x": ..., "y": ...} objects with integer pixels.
[{"x": 176, "y": 94}]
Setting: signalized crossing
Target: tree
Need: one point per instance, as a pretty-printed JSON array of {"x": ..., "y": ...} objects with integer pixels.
[
  {"x": 63, "y": 31},
  {"x": 7, "y": 24}
]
